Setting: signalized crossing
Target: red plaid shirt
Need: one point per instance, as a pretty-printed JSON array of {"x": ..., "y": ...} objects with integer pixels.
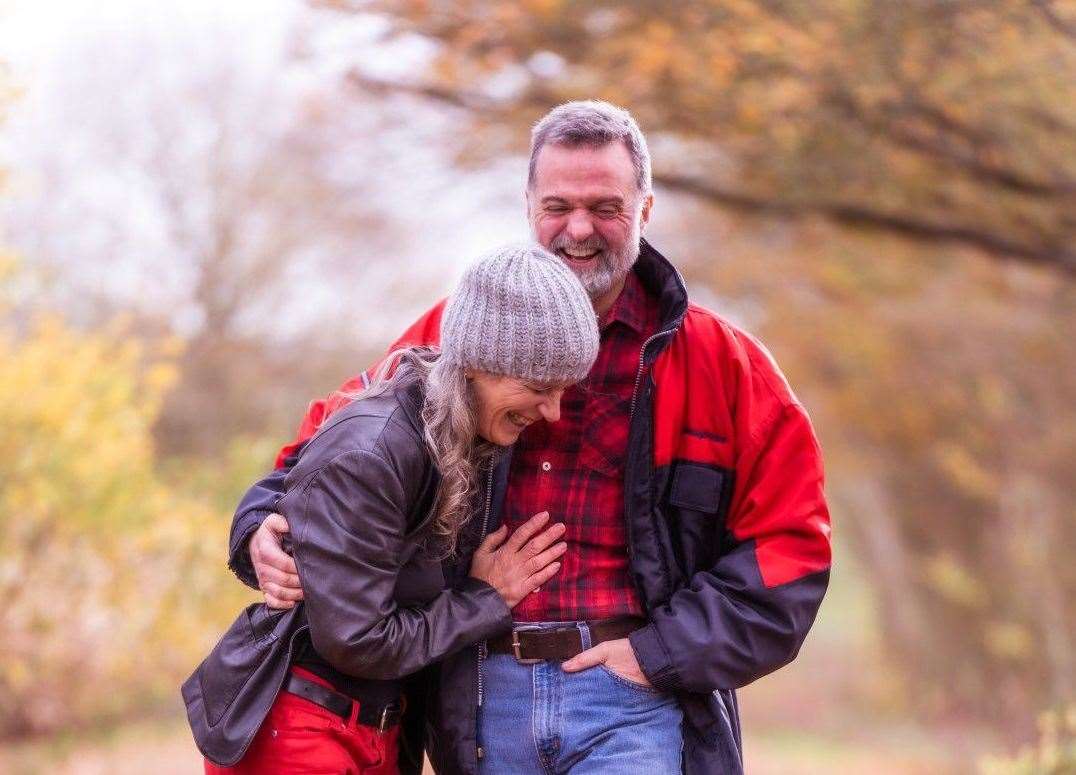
[{"x": 574, "y": 469}]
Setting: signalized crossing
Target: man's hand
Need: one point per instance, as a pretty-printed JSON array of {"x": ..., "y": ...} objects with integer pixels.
[
  {"x": 278, "y": 578},
  {"x": 617, "y": 656}
]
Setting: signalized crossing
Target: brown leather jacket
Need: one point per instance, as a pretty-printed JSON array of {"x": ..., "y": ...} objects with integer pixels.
[{"x": 358, "y": 503}]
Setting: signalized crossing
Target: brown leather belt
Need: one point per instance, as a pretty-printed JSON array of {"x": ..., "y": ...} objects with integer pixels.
[{"x": 562, "y": 642}]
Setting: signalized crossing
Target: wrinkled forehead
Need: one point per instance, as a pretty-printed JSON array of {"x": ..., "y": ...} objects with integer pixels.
[{"x": 585, "y": 171}]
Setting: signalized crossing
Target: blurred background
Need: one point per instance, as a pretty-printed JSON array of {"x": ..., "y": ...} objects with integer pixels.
[{"x": 212, "y": 213}]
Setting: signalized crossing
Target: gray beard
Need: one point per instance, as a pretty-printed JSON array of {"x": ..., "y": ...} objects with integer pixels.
[{"x": 606, "y": 269}]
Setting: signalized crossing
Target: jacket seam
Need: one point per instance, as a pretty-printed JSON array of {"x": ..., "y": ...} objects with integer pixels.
[
  {"x": 375, "y": 448},
  {"x": 761, "y": 431},
  {"x": 389, "y": 417},
  {"x": 806, "y": 577},
  {"x": 760, "y": 368}
]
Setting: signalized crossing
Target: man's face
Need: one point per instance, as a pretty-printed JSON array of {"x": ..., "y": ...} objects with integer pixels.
[{"x": 585, "y": 207}]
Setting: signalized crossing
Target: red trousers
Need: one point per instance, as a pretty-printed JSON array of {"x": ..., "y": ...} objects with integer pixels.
[{"x": 301, "y": 737}]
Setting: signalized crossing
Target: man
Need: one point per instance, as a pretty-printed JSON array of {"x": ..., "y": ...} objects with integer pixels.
[{"x": 689, "y": 481}]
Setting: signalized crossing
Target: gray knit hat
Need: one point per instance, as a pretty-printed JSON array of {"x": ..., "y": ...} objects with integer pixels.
[{"x": 520, "y": 312}]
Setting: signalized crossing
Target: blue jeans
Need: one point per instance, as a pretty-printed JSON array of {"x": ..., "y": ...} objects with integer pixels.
[{"x": 539, "y": 720}]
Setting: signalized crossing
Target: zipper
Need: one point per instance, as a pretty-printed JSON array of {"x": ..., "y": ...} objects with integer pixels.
[
  {"x": 629, "y": 461},
  {"x": 639, "y": 371},
  {"x": 482, "y": 648}
]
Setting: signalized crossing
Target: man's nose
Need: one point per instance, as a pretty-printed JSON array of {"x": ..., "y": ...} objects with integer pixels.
[
  {"x": 579, "y": 225},
  {"x": 550, "y": 408}
]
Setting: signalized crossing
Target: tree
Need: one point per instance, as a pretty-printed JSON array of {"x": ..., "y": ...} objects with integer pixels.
[
  {"x": 938, "y": 121},
  {"x": 950, "y": 434},
  {"x": 95, "y": 566},
  {"x": 206, "y": 176}
]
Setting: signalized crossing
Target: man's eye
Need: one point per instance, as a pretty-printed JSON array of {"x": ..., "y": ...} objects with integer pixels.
[
  {"x": 556, "y": 209},
  {"x": 607, "y": 212}
]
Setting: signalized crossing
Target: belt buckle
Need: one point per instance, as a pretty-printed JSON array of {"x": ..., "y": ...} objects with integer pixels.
[{"x": 516, "y": 649}]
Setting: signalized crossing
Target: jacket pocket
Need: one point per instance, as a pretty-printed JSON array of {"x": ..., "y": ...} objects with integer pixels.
[
  {"x": 236, "y": 657},
  {"x": 696, "y": 507},
  {"x": 264, "y": 621}
]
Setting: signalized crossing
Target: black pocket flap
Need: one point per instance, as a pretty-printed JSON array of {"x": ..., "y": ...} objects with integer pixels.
[{"x": 697, "y": 487}]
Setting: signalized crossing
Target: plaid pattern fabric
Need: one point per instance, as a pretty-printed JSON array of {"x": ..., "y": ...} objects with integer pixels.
[{"x": 574, "y": 469}]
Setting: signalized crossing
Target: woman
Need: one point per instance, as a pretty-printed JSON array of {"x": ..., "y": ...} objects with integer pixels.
[{"x": 379, "y": 497}]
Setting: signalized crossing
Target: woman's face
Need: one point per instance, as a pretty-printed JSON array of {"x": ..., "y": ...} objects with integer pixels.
[{"x": 507, "y": 405}]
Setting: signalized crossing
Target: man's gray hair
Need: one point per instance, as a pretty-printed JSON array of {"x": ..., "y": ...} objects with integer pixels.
[{"x": 591, "y": 123}]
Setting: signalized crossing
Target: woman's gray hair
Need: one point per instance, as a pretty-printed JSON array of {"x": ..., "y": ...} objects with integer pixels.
[
  {"x": 450, "y": 420},
  {"x": 592, "y": 123}
]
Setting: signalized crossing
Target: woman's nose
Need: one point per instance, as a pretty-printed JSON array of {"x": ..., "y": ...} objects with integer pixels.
[{"x": 550, "y": 409}]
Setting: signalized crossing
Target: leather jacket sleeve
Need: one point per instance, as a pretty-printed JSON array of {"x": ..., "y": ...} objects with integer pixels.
[
  {"x": 349, "y": 524},
  {"x": 260, "y": 500}
]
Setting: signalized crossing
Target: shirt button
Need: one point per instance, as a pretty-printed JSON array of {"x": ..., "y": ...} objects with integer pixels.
[{"x": 545, "y": 465}]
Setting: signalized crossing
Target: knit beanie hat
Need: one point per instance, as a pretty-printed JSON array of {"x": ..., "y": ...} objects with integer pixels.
[{"x": 520, "y": 312}]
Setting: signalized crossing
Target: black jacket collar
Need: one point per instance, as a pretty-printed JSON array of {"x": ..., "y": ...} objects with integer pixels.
[{"x": 661, "y": 279}]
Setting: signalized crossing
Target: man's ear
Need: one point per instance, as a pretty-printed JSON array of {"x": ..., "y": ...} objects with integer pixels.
[{"x": 644, "y": 216}]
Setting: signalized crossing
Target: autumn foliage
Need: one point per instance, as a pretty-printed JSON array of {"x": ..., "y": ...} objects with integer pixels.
[
  {"x": 884, "y": 191},
  {"x": 934, "y": 120},
  {"x": 110, "y": 577}
]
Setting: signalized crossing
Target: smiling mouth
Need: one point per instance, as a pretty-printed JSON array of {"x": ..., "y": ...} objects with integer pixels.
[
  {"x": 518, "y": 420},
  {"x": 578, "y": 255}
]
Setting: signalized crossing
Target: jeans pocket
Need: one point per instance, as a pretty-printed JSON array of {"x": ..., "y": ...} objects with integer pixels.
[
  {"x": 629, "y": 682},
  {"x": 294, "y": 714}
]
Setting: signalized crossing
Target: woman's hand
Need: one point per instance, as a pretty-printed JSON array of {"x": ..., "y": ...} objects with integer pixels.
[{"x": 524, "y": 562}]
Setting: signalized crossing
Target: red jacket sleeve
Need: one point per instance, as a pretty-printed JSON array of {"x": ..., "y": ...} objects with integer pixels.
[{"x": 424, "y": 331}]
